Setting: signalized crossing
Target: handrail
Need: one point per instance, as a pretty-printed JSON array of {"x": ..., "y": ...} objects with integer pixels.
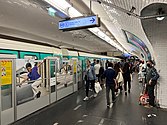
[
  {"x": 33, "y": 80},
  {"x": 20, "y": 68}
]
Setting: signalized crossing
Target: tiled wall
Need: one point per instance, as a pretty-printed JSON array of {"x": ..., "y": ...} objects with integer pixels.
[
  {"x": 161, "y": 50},
  {"x": 157, "y": 34}
]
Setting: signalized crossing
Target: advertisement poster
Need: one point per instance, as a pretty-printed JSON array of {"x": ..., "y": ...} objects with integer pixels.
[
  {"x": 134, "y": 40},
  {"x": 75, "y": 66},
  {"x": 6, "y": 72}
]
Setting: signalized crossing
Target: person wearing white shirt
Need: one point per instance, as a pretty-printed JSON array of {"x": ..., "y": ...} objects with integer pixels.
[{"x": 97, "y": 67}]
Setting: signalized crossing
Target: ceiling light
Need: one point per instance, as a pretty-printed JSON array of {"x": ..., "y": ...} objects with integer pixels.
[
  {"x": 62, "y": 5},
  {"x": 94, "y": 30},
  {"x": 160, "y": 13},
  {"x": 160, "y": 18},
  {"x": 101, "y": 34},
  {"x": 51, "y": 11}
]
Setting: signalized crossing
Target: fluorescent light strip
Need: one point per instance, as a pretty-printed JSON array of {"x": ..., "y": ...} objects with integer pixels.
[
  {"x": 106, "y": 38},
  {"x": 61, "y": 5},
  {"x": 66, "y": 8}
]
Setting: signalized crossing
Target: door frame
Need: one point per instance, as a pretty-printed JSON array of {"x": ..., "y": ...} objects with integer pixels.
[{"x": 10, "y": 111}]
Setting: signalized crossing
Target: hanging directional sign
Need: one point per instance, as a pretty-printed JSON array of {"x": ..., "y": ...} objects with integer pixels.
[{"x": 79, "y": 23}]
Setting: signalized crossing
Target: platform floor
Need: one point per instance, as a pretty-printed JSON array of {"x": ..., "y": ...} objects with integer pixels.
[{"x": 72, "y": 110}]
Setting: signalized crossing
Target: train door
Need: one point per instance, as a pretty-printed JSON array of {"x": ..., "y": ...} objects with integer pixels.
[
  {"x": 80, "y": 74},
  {"x": 52, "y": 67},
  {"x": 75, "y": 74},
  {"x": 32, "y": 92},
  {"x": 65, "y": 83},
  {"x": 7, "y": 92}
]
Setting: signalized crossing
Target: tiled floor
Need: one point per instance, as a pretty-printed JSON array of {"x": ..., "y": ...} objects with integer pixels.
[{"x": 73, "y": 111}]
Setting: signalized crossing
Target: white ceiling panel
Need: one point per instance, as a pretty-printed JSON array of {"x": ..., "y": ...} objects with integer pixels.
[
  {"x": 29, "y": 19},
  {"x": 116, "y": 20}
]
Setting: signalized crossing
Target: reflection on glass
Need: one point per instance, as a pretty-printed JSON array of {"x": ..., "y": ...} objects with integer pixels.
[
  {"x": 6, "y": 83},
  {"x": 65, "y": 75},
  {"x": 79, "y": 70},
  {"x": 6, "y": 97},
  {"x": 52, "y": 76},
  {"x": 30, "y": 84}
]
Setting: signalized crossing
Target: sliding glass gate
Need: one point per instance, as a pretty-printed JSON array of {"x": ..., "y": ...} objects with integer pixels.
[
  {"x": 21, "y": 96},
  {"x": 52, "y": 67},
  {"x": 7, "y": 96}
]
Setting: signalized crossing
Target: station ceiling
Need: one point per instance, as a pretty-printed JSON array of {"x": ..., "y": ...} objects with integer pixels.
[
  {"x": 29, "y": 19},
  {"x": 116, "y": 20},
  {"x": 155, "y": 30}
]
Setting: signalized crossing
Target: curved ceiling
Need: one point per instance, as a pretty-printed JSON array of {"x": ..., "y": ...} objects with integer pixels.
[
  {"x": 155, "y": 30},
  {"x": 29, "y": 19},
  {"x": 116, "y": 20}
]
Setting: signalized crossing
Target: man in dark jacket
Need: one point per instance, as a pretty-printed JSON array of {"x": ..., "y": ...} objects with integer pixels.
[
  {"x": 110, "y": 76},
  {"x": 152, "y": 77}
]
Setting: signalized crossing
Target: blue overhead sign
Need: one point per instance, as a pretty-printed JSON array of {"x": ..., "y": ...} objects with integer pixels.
[{"x": 79, "y": 23}]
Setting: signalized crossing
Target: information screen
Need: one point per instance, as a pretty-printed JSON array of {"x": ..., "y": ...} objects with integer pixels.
[{"x": 78, "y": 23}]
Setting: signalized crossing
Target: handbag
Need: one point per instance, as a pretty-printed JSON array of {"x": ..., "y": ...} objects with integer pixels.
[
  {"x": 119, "y": 77},
  {"x": 97, "y": 87}
]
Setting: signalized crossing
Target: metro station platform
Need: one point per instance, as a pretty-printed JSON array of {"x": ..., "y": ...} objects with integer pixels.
[{"x": 72, "y": 110}]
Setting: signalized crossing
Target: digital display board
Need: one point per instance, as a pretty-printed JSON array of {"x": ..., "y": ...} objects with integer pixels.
[
  {"x": 134, "y": 40},
  {"x": 79, "y": 23}
]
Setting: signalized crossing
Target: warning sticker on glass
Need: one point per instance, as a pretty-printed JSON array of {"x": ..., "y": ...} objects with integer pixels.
[{"x": 6, "y": 72}]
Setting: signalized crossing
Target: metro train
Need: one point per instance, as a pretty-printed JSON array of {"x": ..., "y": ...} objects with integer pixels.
[
  {"x": 61, "y": 74},
  {"x": 39, "y": 52}
]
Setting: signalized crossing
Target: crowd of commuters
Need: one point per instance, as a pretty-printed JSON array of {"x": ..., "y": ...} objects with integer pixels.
[
  {"x": 114, "y": 76},
  {"x": 118, "y": 77}
]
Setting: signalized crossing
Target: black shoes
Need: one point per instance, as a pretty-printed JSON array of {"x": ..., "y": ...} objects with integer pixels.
[
  {"x": 126, "y": 92},
  {"x": 38, "y": 94}
]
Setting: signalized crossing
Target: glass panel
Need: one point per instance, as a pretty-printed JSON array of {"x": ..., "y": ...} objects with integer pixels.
[
  {"x": 65, "y": 75},
  {"x": 6, "y": 83},
  {"x": 79, "y": 69},
  {"x": 6, "y": 97},
  {"x": 22, "y": 54},
  {"x": 75, "y": 71},
  {"x": 52, "y": 75},
  {"x": 31, "y": 80}
]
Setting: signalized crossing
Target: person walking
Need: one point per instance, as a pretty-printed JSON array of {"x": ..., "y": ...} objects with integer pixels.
[
  {"x": 151, "y": 77},
  {"x": 110, "y": 76},
  {"x": 101, "y": 72},
  {"x": 90, "y": 78},
  {"x": 119, "y": 77},
  {"x": 126, "y": 77},
  {"x": 97, "y": 68}
]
